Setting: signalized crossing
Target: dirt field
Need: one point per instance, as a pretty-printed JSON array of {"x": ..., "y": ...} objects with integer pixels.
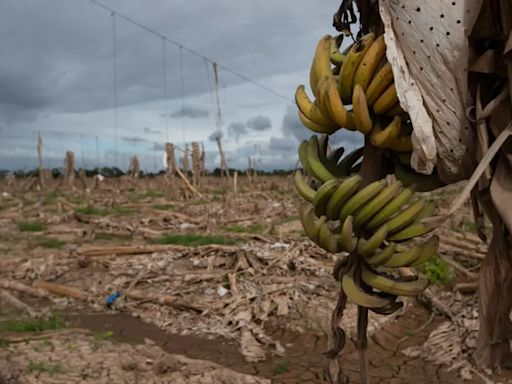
[{"x": 161, "y": 287}]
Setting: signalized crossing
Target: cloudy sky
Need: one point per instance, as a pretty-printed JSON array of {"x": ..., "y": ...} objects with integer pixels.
[{"x": 56, "y": 77}]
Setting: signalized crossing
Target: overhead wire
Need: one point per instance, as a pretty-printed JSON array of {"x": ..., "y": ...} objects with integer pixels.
[
  {"x": 114, "y": 82},
  {"x": 182, "y": 94},
  {"x": 190, "y": 50},
  {"x": 166, "y": 90}
]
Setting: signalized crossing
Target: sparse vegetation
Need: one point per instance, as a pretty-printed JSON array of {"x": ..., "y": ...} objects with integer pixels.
[
  {"x": 31, "y": 226},
  {"x": 92, "y": 210},
  {"x": 45, "y": 368},
  {"x": 50, "y": 242},
  {"x": 32, "y": 325},
  {"x": 99, "y": 338},
  {"x": 254, "y": 228},
  {"x": 437, "y": 270},
  {"x": 190, "y": 239},
  {"x": 162, "y": 207}
]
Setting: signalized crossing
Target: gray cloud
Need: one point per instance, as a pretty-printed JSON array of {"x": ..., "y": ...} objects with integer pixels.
[
  {"x": 157, "y": 147},
  {"x": 216, "y": 135},
  {"x": 134, "y": 139},
  {"x": 292, "y": 127},
  {"x": 190, "y": 112},
  {"x": 237, "y": 129},
  {"x": 259, "y": 123},
  {"x": 152, "y": 131}
]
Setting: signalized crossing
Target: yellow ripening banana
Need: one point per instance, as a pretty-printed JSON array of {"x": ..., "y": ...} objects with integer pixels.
[
  {"x": 370, "y": 62},
  {"x": 310, "y": 109},
  {"x": 330, "y": 99},
  {"x": 347, "y": 241},
  {"x": 315, "y": 127},
  {"x": 382, "y": 79},
  {"x": 376, "y": 204},
  {"x": 362, "y": 117},
  {"x": 344, "y": 192},
  {"x": 303, "y": 157},
  {"x": 336, "y": 57},
  {"x": 380, "y": 257},
  {"x": 394, "y": 286},
  {"x": 405, "y": 217},
  {"x": 361, "y": 198},
  {"x": 386, "y": 101},
  {"x": 348, "y": 70},
  {"x": 357, "y": 294},
  {"x": 400, "y": 144},
  {"x": 380, "y": 138},
  {"x": 367, "y": 247},
  {"x": 323, "y": 195},
  {"x": 303, "y": 188},
  {"x": 390, "y": 208},
  {"x": 321, "y": 65}
]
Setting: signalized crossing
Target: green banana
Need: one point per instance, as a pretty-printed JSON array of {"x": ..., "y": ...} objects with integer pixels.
[
  {"x": 327, "y": 240},
  {"x": 303, "y": 188},
  {"x": 322, "y": 197},
  {"x": 407, "y": 216},
  {"x": 347, "y": 241},
  {"x": 380, "y": 257},
  {"x": 346, "y": 189},
  {"x": 318, "y": 168},
  {"x": 391, "y": 208},
  {"x": 429, "y": 249},
  {"x": 361, "y": 198},
  {"x": 323, "y": 147},
  {"x": 356, "y": 293},
  {"x": 374, "y": 206},
  {"x": 404, "y": 259},
  {"x": 417, "y": 228},
  {"x": 303, "y": 157},
  {"x": 368, "y": 247},
  {"x": 310, "y": 223},
  {"x": 388, "y": 284}
]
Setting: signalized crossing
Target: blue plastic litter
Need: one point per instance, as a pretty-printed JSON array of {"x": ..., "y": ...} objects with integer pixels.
[{"x": 112, "y": 298}]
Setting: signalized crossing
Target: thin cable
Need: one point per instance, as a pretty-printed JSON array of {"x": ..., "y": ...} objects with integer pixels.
[
  {"x": 114, "y": 83},
  {"x": 166, "y": 91},
  {"x": 182, "y": 89},
  {"x": 227, "y": 69},
  {"x": 219, "y": 113},
  {"x": 210, "y": 87}
]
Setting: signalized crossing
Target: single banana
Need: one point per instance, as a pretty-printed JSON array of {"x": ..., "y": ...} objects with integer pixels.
[
  {"x": 311, "y": 110},
  {"x": 321, "y": 63},
  {"x": 382, "y": 79},
  {"x": 389, "y": 284},
  {"x": 424, "y": 183},
  {"x": 380, "y": 138},
  {"x": 357, "y": 294},
  {"x": 366, "y": 248},
  {"x": 310, "y": 223},
  {"x": 380, "y": 257},
  {"x": 323, "y": 195},
  {"x": 406, "y": 217},
  {"x": 303, "y": 157},
  {"x": 349, "y": 68},
  {"x": 347, "y": 242},
  {"x": 327, "y": 240},
  {"x": 388, "y": 309},
  {"x": 376, "y": 204},
  {"x": 344, "y": 192},
  {"x": 417, "y": 228},
  {"x": 400, "y": 144},
  {"x": 315, "y": 127},
  {"x": 404, "y": 259},
  {"x": 362, "y": 118},
  {"x": 318, "y": 168},
  {"x": 360, "y": 198},
  {"x": 347, "y": 163},
  {"x": 330, "y": 99},
  {"x": 387, "y": 100},
  {"x": 336, "y": 57},
  {"x": 370, "y": 62},
  {"x": 303, "y": 188},
  {"x": 429, "y": 249},
  {"x": 391, "y": 208}
]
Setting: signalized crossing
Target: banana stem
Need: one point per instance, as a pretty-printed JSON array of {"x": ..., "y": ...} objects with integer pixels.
[{"x": 362, "y": 342}]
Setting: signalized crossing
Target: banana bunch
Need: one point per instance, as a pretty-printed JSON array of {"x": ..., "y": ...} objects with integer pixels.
[{"x": 371, "y": 224}]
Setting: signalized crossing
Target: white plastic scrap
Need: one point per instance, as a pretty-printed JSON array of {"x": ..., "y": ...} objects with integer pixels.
[{"x": 427, "y": 47}]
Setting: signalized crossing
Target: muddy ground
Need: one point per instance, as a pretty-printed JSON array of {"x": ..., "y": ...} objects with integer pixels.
[{"x": 221, "y": 289}]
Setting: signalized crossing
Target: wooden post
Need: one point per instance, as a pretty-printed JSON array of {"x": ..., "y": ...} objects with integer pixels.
[
  {"x": 235, "y": 182},
  {"x": 42, "y": 173},
  {"x": 203, "y": 161},
  {"x": 171, "y": 160},
  {"x": 134, "y": 167},
  {"x": 69, "y": 169},
  {"x": 224, "y": 170},
  {"x": 196, "y": 164}
]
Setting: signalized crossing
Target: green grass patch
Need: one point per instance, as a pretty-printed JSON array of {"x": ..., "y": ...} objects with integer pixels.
[
  {"x": 162, "y": 207},
  {"x": 99, "y": 338},
  {"x": 31, "y": 226},
  {"x": 92, "y": 210},
  {"x": 254, "y": 228},
  {"x": 108, "y": 236},
  {"x": 437, "y": 270},
  {"x": 33, "y": 325},
  {"x": 44, "y": 368},
  {"x": 51, "y": 198},
  {"x": 190, "y": 239},
  {"x": 119, "y": 210},
  {"x": 282, "y": 367},
  {"x": 50, "y": 242}
]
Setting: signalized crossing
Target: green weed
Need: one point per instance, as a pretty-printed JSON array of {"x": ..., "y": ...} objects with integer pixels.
[
  {"x": 31, "y": 226},
  {"x": 437, "y": 270},
  {"x": 92, "y": 210},
  {"x": 50, "y": 242},
  {"x": 190, "y": 239},
  {"x": 99, "y": 338},
  {"x": 33, "y": 325},
  {"x": 255, "y": 228},
  {"x": 44, "y": 368},
  {"x": 119, "y": 210},
  {"x": 162, "y": 207},
  {"x": 51, "y": 198}
]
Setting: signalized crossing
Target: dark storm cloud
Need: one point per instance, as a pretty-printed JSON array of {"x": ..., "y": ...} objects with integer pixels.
[
  {"x": 190, "y": 112},
  {"x": 259, "y": 123}
]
